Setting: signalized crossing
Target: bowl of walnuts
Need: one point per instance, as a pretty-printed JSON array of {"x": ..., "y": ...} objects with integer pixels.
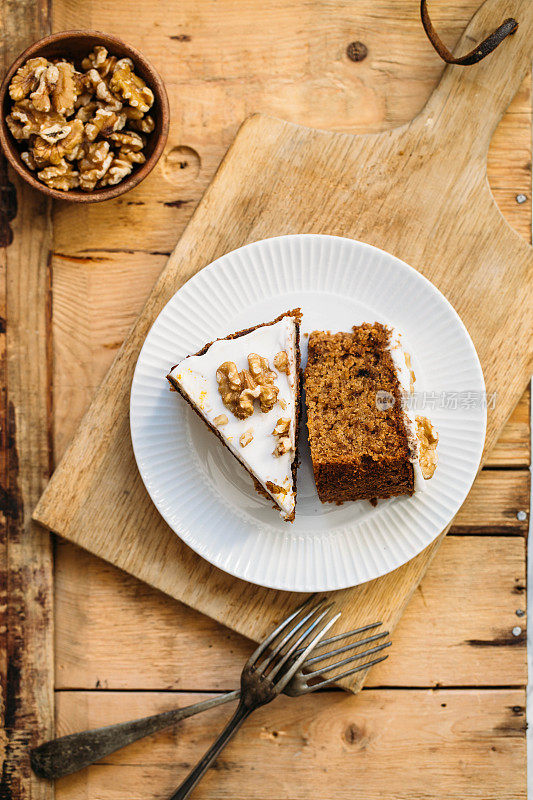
[{"x": 84, "y": 116}]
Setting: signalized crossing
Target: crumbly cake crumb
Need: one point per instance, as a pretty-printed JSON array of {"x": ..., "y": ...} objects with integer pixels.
[{"x": 359, "y": 448}]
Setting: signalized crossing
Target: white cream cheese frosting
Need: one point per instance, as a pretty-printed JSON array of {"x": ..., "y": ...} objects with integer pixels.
[
  {"x": 196, "y": 377},
  {"x": 406, "y": 378}
]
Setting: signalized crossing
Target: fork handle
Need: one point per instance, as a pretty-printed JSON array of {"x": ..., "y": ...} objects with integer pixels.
[
  {"x": 68, "y": 754},
  {"x": 184, "y": 790}
]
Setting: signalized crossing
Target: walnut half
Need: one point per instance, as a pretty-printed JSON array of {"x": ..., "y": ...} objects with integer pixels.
[
  {"x": 26, "y": 78},
  {"x": 95, "y": 164},
  {"x": 62, "y": 176},
  {"x": 238, "y": 390},
  {"x": 57, "y": 142},
  {"x": 130, "y": 87}
]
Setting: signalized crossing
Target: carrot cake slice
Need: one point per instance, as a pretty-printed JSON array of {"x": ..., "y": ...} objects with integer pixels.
[
  {"x": 365, "y": 441},
  {"x": 246, "y": 388}
]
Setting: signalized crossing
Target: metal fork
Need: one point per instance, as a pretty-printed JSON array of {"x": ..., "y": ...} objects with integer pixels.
[
  {"x": 267, "y": 673},
  {"x": 67, "y": 754}
]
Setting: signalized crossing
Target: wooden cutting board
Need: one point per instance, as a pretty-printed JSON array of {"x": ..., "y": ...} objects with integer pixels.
[{"x": 420, "y": 192}]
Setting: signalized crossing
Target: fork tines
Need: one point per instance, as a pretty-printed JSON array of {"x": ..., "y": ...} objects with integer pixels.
[
  {"x": 308, "y": 680},
  {"x": 287, "y": 647}
]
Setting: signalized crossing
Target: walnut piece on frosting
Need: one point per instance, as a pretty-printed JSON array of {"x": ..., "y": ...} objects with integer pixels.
[
  {"x": 220, "y": 420},
  {"x": 427, "y": 447},
  {"x": 264, "y": 378},
  {"x": 231, "y": 387},
  {"x": 282, "y": 432},
  {"x": 282, "y": 447},
  {"x": 246, "y": 437},
  {"x": 238, "y": 390},
  {"x": 281, "y": 362},
  {"x": 282, "y": 427}
]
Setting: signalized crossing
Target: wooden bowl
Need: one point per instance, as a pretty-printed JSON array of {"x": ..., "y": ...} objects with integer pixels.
[{"x": 74, "y": 46}]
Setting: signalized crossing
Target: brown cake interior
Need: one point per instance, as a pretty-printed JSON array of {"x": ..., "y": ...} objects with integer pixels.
[{"x": 358, "y": 450}]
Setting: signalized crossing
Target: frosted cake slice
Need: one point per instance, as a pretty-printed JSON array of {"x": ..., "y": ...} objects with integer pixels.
[
  {"x": 366, "y": 443},
  {"x": 246, "y": 388}
]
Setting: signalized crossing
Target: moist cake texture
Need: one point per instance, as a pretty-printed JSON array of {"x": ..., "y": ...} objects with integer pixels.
[
  {"x": 363, "y": 442},
  {"x": 246, "y": 388}
]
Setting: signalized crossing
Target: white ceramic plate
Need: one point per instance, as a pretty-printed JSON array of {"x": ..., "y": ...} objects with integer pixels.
[{"x": 206, "y": 496}]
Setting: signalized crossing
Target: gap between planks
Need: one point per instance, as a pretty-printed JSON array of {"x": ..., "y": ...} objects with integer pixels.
[{"x": 332, "y": 690}]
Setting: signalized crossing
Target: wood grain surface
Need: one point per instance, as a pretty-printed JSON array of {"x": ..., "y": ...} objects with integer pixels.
[
  {"x": 221, "y": 62},
  {"x": 26, "y": 582},
  {"x": 362, "y": 748},
  {"x": 416, "y": 191}
]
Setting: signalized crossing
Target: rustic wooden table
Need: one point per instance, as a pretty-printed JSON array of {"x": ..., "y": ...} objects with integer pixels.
[{"x": 445, "y": 715}]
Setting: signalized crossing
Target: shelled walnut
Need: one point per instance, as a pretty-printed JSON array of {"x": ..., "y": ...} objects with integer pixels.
[
  {"x": 104, "y": 123},
  {"x": 57, "y": 142},
  {"x": 26, "y": 79},
  {"x": 282, "y": 430},
  {"x": 94, "y": 165},
  {"x": 239, "y": 389},
  {"x": 99, "y": 60},
  {"x": 130, "y": 87},
  {"x": 246, "y": 437},
  {"x": 281, "y": 362},
  {"x": 264, "y": 377},
  {"x": 63, "y": 176},
  {"x": 95, "y": 118}
]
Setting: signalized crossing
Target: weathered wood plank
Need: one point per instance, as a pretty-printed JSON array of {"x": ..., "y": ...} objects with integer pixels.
[
  {"x": 26, "y": 585},
  {"x": 96, "y": 300},
  {"x": 411, "y": 745},
  {"x": 457, "y": 629},
  {"x": 513, "y": 448},
  {"x": 497, "y": 501},
  {"x": 26, "y": 582}
]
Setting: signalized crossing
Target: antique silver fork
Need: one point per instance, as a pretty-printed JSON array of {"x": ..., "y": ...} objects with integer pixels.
[
  {"x": 68, "y": 754},
  {"x": 269, "y": 671}
]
